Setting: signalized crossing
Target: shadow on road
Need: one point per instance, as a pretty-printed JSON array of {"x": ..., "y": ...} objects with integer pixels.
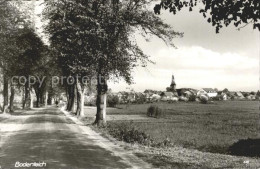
[
  {"x": 37, "y": 115},
  {"x": 62, "y": 149},
  {"x": 49, "y": 136},
  {"x": 37, "y": 111}
]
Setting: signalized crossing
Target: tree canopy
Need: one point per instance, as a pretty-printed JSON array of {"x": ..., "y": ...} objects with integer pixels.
[
  {"x": 218, "y": 12},
  {"x": 97, "y": 36},
  {"x": 86, "y": 32}
]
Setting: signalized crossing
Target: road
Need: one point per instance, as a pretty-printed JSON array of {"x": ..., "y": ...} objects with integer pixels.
[{"x": 48, "y": 135}]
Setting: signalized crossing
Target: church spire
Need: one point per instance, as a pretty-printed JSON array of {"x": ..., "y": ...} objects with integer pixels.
[
  {"x": 173, "y": 84},
  {"x": 173, "y": 81}
]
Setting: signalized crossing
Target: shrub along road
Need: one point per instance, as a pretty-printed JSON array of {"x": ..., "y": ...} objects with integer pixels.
[{"x": 47, "y": 135}]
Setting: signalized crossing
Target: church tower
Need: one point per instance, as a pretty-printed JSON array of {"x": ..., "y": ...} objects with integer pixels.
[{"x": 173, "y": 84}]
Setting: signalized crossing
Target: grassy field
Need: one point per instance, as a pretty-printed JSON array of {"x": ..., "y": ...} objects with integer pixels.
[{"x": 205, "y": 127}]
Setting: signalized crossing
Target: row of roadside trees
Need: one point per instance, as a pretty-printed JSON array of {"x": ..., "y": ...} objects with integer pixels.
[
  {"x": 26, "y": 62},
  {"x": 94, "y": 39}
]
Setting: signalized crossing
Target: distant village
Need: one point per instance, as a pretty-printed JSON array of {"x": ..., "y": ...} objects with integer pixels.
[{"x": 172, "y": 94}]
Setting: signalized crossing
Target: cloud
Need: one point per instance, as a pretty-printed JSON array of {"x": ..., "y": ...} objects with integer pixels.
[
  {"x": 197, "y": 67},
  {"x": 203, "y": 59}
]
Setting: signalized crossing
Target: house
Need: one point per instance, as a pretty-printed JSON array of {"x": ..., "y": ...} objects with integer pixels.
[
  {"x": 208, "y": 92},
  {"x": 204, "y": 97},
  {"x": 139, "y": 94},
  {"x": 251, "y": 97},
  {"x": 201, "y": 92},
  {"x": 232, "y": 95},
  {"x": 245, "y": 94},
  {"x": 122, "y": 97},
  {"x": 148, "y": 96},
  {"x": 186, "y": 92},
  {"x": 140, "y": 97},
  {"x": 182, "y": 98},
  {"x": 224, "y": 96},
  {"x": 166, "y": 96},
  {"x": 131, "y": 97},
  {"x": 236, "y": 95},
  {"x": 119, "y": 95},
  {"x": 169, "y": 96},
  {"x": 239, "y": 95},
  {"x": 194, "y": 91},
  {"x": 155, "y": 97}
]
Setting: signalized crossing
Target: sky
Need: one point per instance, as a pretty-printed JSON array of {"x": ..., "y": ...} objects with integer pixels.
[{"x": 203, "y": 59}]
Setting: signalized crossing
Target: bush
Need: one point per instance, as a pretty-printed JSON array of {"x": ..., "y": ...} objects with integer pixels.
[
  {"x": 182, "y": 98},
  {"x": 91, "y": 101},
  {"x": 155, "y": 111},
  {"x": 204, "y": 99},
  {"x": 192, "y": 98},
  {"x": 112, "y": 100},
  {"x": 128, "y": 133},
  {"x": 141, "y": 99},
  {"x": 218, "y": 98},
  {"x": 232, "y": 97},
  {"x": 165, "y": 143}
]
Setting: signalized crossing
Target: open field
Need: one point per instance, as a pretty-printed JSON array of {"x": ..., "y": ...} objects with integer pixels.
[{"x": 205, "y": 127}]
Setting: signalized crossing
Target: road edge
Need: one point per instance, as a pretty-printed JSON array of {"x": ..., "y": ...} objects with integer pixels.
[{"x": 127, "y": 156}]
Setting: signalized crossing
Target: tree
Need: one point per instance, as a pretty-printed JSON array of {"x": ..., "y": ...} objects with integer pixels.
[
  {"x": 21, "y": 49},
  {"x": 225, "y": 90},
  {"x": 69, "y": 39},
  {"x": 221, "y": 13},
  {"x": 140, "y": 98},
  {"x": 252, "y": 93},
  {"x": 112, "y": 100},
  {"x": 31, "y": 68},
  {"x": 44, "y": 69},
  {"x": 258, "y": 93},
  {"x": 245, "y": 94},
  {"x": 95, "y": 38},
  {"x": 119, "y": 54},
  {"x": 9, "y": 30}
]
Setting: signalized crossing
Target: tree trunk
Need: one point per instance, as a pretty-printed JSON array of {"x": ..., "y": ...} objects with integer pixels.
[
  {"x": 38, "y": 100},
  {"x": 68, "y": 98},
  {"x": 26, "y": 94},
  {"x": 105, "y": 108},
  {"x": 11, "y": 107},
  {"x": 72, "y": 97},
  {"x": 80, "y": 100},
  {"x": 74, "y": 108},
  {"x": 22, "y": 96},
  {"x": 5, "y": 94},
  {"x": 99, "y": 118},
  {"x": 46, "y": 99},
  {"x": 82, "y": 103},
  {"x": 41, "y": 98},
  {"x": 100, "y": 121},
  {"x": 31, "y": 99},
  {"x": 37, "y": 93},
  {"x": 50, "y": 100}
]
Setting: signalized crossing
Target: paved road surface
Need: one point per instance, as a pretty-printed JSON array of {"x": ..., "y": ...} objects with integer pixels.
[{"x": 47, "y": 135}]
